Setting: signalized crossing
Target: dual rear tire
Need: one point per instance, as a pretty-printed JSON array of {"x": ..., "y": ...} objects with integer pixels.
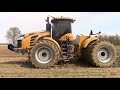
[
  {"x": 100, "y": 54},
  {"x": 44, "y": 54}
]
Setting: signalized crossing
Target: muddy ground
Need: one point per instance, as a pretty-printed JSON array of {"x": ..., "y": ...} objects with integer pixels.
[{"x": 13, "y": 65}]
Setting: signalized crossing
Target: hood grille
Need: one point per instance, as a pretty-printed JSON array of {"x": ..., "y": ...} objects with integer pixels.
[{"x": 32, "y": 41}]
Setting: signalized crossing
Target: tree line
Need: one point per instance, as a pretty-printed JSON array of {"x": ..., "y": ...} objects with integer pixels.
[
  {"x": 14, "y": 32},
  {"x": 114, "y": 39}
]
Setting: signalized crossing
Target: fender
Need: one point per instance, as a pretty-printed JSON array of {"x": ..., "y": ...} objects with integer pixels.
[
  {"x": 69, "y": 35},
  {"x": 49, "y": 38},
  {"x": 88, "y": 41}
]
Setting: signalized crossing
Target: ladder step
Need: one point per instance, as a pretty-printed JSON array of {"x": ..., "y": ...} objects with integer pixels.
[
  {"x": 64, "y": 52},
  {"x": 65, "y": 56},
  {"x": 64, "y": 49},
  {"x": 64, "y": 46},
  {"x": 69, "y": 54}
]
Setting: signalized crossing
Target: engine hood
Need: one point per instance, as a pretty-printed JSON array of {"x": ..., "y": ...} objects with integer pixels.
[{"x": 34, "y": 33}]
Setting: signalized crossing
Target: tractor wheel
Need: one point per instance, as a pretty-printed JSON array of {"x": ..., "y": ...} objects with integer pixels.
[
  {"x": 101, "y": 54},
  {"x": 44, "y": 54},
  {"x": 82, "y": 55}
]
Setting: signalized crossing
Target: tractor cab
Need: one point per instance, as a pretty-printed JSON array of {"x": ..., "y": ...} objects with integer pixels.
[{"x": 60, "y": 27}]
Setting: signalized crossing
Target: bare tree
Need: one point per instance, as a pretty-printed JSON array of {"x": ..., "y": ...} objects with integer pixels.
[{"x": 12, "y": 34}]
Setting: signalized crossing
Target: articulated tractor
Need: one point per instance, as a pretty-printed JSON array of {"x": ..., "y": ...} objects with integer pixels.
[{"x": 57, "y": 43}]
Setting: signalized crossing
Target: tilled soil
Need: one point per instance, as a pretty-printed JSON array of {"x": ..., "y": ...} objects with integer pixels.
[{"x": 18, "y": 66}]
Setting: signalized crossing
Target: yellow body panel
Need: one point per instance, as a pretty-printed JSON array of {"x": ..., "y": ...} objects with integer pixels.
[
  {"x": 26, "y": 43},
  {"x": 80, "y": 39},
  {"x": 78, "y": 44},
  {"x": 66, "y": 36},
  {"x": 49, "y": 38},
  {"x": 82, "y": 42},
  {"x": 27, "y": 38},
  {"x": 88, "y": 41},
  {"x": 42, "y": 35}
]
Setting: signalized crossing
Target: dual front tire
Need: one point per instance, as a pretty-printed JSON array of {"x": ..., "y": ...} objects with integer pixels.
[{"x": 44, "y": 54}]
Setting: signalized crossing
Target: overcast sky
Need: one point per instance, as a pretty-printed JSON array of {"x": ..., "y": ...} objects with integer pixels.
[{"x": 106, "y": 22}]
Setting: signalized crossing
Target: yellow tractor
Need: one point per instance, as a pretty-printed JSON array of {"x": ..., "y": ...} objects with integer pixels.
[{"x": 57, "y": 43}]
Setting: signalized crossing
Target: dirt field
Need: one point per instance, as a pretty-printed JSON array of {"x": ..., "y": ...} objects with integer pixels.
[{"x": 13, "y": 65}]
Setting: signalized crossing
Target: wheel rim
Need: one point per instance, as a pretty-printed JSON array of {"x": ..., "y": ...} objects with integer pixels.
[
  {"x": 104, "y": 55},
  {"x": 44, "y": 55}
]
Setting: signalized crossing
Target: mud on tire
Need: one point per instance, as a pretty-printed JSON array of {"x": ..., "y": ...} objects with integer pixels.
[
  {"x": 44, "y": 54},
  {"x": 101, "y": 54}
]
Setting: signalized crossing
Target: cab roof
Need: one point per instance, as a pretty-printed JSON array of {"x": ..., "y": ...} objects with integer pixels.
[{"x": 62, "y": 19}]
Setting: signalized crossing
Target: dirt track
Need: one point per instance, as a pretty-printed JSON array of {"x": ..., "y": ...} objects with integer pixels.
[{"x": 18, "y": 66}]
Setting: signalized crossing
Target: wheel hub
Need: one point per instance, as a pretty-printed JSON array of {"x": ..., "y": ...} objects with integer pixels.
[
  {"x": 104, "y": 55},
  {"x": 44, "y": 55}
]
